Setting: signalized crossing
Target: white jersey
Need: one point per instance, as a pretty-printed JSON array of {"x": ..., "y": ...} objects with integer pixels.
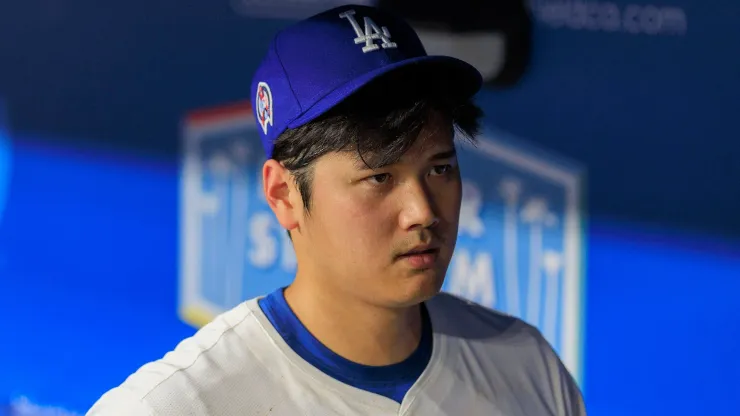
[{"x": 483, "y": 363}]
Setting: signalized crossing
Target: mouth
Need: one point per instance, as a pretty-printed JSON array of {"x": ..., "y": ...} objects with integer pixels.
[
  {"x": 421, "y": 257},
  {"x": 421, "y": 250}
]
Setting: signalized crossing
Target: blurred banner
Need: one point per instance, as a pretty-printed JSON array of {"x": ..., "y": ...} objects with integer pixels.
[{"x": 123, "y": 169}]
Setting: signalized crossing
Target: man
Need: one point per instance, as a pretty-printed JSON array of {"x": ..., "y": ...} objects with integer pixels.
[{"x": 359, "y": 125}]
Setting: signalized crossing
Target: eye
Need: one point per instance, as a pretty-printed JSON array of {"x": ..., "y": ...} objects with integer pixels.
[
  {"x": 379, "y": 178},
  {"x": 441, "y": 170}
]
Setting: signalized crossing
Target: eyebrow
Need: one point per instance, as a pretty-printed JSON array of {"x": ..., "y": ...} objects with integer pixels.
[{"x": 448, "y": 154}]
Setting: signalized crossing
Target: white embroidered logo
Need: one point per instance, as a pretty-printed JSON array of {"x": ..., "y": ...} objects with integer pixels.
[{"x": 371, "y": 34}]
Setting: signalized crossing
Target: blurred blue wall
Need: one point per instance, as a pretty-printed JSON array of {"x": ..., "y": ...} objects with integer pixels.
[{"x": 94, "y": 95}]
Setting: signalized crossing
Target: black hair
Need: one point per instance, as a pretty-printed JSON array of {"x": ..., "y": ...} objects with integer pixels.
[{"x": 380, "y": 122}]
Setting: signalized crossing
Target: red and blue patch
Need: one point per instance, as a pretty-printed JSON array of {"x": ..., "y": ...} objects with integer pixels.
[{"x": 263, "y": 106}]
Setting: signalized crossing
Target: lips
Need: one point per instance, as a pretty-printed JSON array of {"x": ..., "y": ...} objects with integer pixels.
[
  {"x": 421, "y": 251},
  {"x": 421, "y": 258}
]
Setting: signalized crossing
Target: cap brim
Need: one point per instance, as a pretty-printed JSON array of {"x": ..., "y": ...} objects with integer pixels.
[{"x": 464, "y": 81}]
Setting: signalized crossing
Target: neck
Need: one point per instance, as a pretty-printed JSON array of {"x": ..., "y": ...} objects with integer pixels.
[{"x": 363, "y": 333}]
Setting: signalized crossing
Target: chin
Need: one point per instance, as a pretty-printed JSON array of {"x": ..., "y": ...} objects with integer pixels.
[{"x": 419, "y": 287}]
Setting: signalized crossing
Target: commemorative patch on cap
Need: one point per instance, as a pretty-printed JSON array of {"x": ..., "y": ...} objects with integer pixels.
[{"x": 264, "y": 106}]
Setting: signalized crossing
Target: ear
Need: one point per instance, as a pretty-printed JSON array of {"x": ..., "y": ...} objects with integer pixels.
[{"x": 280, "y": 190}]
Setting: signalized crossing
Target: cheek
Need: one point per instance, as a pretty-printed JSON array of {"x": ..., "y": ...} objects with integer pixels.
[
  {"x": 356, "y": 224},
  {"x": 449, "y": 199}
]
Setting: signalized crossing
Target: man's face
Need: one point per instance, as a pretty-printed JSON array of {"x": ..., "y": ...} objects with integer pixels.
[{"x": 363, "y": 223}]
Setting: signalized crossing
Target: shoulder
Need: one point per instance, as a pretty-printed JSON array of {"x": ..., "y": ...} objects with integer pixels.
[
  {"x": 462, "y": 318},
  {"x": 187, "y": 378},
  {"x": 506, "y": 352},
  {"x": 493, "y": 340},
  {"x": 489, "y": 329}
]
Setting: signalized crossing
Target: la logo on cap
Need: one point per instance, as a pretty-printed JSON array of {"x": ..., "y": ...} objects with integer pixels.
[
  {"x": 264, "y": 105},
  {"x": 372, "y": 33}
]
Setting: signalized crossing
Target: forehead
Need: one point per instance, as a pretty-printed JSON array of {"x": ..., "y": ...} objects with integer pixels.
[{"x": 434, "y": 138}]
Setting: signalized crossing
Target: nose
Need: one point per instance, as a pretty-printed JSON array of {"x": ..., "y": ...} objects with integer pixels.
[{"x": 417, "y": 208}]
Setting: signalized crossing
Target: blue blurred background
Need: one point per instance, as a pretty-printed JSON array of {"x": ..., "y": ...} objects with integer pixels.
[{"x": 108, "y": 112}]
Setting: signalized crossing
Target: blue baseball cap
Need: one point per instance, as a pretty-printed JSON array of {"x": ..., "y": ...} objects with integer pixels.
[{"x": 313, "y": 65}]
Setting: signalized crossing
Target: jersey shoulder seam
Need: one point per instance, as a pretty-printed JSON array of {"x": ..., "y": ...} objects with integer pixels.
[{"x": 231, "y": 328}]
